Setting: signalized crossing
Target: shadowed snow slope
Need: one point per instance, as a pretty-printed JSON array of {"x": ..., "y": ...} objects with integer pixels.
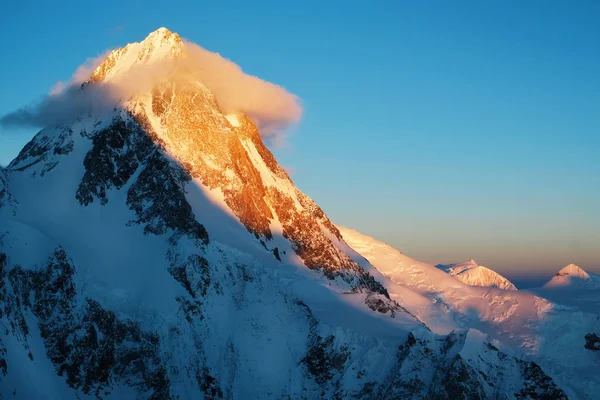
[
  {"x": 550, "y": 334},
  {"x": 473, "y": 274}
]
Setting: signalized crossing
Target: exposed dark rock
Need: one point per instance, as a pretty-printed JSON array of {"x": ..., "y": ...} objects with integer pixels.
[
  {"x": 538, "y": 385},
  {"x": 157, "y": 195},
  {"x": 323, "y": 360},
  {"x": 10, "y": 304},
  {"x": 88, "y": 344},
  {"x": 592, "y": 342},
  {"x": 194, "y": 275},
  {"x": 117, "y": 151},
  {"x": 190, "y": 309},
  {"x": 158, "y": 199},
  {"x": 6, "y": 198},
  {"x": 276, "y": 254},
  {"x": 380, "y": 303},
  {"x": 209, "y": 386},
  {"x": 459, "y": 382},
  {"x": 42, "y": 148}
]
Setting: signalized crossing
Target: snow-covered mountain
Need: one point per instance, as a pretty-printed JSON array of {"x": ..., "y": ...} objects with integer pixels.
[
  {"x": 572, "y": 286},
  {"x": 473, "y": 274},
  {"x": 549, "y": 333},
  {"x": 153, "y": 248},
  {"x": 574, "y": 276}
]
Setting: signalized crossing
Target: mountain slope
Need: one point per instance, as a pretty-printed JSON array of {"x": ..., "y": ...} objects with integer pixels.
[
  {"x": 546, "y": 332},
  {"x": 152, "y": 248},
  {"x": 473, "y": 274}
]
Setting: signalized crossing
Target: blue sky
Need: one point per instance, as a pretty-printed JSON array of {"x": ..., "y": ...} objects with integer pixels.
[{"x": 451, "y": 130}]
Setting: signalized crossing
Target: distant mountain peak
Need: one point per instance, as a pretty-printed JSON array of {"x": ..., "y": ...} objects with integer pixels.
[
  {"x": 569, "y": 275},
  {"x": 471, "y": 273},
  {"x": 573, "y": 270}
]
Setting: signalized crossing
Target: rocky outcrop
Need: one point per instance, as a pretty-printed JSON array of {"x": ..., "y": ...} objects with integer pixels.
[
  {"x": 315, "y": 248},
  {"x": 116, "y": 154},
  {"x": 43, "y": 149},
  {"x": 592, "y": 342},
  {"x": 88, "y": 345},
  {"x": 443, "y": 370},
  {"x": 126, "y": 147}
]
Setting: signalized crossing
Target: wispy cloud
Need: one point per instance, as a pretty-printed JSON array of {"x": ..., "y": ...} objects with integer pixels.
[
  {"x": 81, "y": 74},
  {"x": 273, "y": 107}
]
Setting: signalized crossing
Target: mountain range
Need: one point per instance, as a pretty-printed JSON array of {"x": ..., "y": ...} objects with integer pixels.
[{"x": 151, "y": 247}]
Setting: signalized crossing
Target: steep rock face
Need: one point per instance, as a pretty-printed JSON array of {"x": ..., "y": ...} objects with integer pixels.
[
  {"x": 229, "y": 158},
  {"x": 43, "y": 150},
  {"x": 126, "y": 147},
  {"x": 234, "y": 160},
  {"x": 471, "y": 273}
]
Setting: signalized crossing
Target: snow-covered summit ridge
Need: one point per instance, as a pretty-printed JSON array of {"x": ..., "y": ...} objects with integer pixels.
[
  {"x": 471, "y": 273},
  {"x": 158, "y": 45},
  {"x": 573, "y": 270}
]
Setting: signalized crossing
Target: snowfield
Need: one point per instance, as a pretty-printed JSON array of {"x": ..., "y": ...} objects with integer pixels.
[{"x": 550, "y": 333}]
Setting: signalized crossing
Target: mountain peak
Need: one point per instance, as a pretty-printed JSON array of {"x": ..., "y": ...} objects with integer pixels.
[
  {"x": 571, "y": 274},
  {"x": 158, "y": 45},
  {"x": 471, "y": 273},
  {"x": 163, "y": 35},
  {"x": 573, "y": 270},
  {"x": 162, "y": 31}
]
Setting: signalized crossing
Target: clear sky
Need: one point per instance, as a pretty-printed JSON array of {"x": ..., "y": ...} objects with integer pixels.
[{"x": 449, "y": 129}]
